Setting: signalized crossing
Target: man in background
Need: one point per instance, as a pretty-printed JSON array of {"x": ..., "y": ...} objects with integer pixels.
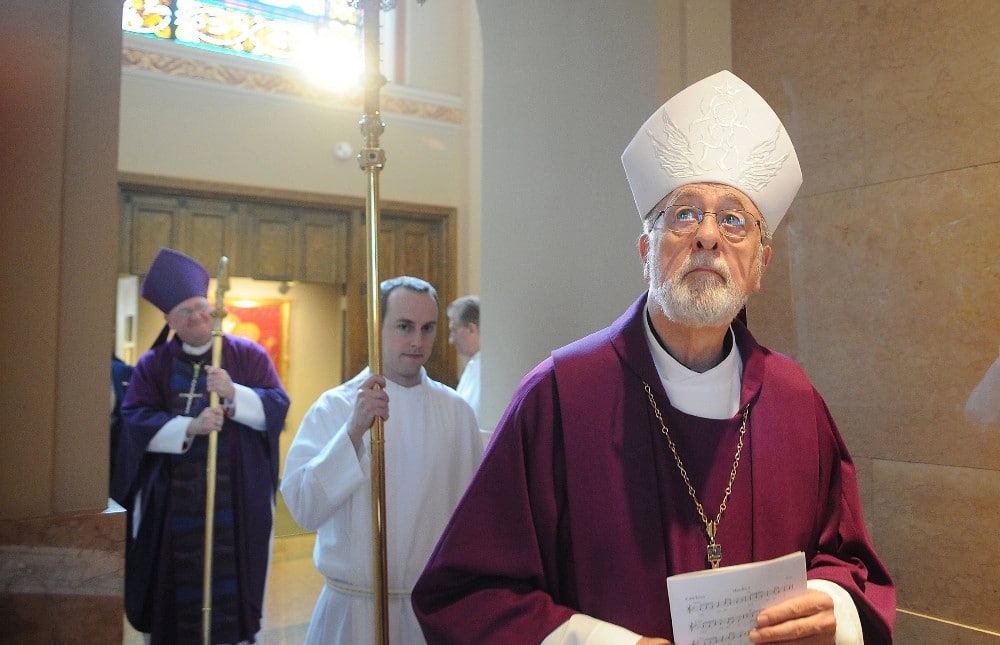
[
  {"x": 160, "y": 473},
  {"x": 463, "y": 333},
  {"x": 432, "y": 449}
]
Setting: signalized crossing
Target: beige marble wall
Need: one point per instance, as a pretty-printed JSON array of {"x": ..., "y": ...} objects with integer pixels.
[
  {"x": 886, "y": 284},
  {"x": 60, "y": 559},
  {"x": 61, "y": 579}
]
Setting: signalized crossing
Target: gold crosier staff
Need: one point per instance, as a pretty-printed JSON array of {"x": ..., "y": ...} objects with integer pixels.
[
  {"x": 222, "y": 284},
  {"x": 372, "y": 159}
]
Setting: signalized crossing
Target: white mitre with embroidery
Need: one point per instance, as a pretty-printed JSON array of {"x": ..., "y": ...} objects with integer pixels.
[{"x": 718, "y": 130}]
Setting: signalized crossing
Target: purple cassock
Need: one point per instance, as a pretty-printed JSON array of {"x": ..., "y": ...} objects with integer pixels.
[
  {"x": 164, "y": 557},
  {"x": 579, "y": 506}
]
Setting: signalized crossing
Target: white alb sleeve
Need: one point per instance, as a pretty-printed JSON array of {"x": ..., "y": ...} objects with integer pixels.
[
  {"x": 172, "y": 437},
  {"x": 849, "y": 630},
  {"x": 581, "y": 629},
  {"x": 247, "y": 408}
]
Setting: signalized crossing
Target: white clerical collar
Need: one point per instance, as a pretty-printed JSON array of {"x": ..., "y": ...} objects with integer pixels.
[
  {"x": 195, "y": 351},
  {"x": 714, "y": 394}
]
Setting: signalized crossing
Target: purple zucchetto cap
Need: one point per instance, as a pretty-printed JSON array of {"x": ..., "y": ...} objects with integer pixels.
[{"x": 173, "y": 278}]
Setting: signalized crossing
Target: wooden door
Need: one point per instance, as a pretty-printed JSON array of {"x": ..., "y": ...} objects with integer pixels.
[
  {"x": 309, "y": 238},
  {"x": 418, "y": 244}
]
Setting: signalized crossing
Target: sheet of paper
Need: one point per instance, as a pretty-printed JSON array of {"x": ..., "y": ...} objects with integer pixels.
[{"x": 719, "y": 606}]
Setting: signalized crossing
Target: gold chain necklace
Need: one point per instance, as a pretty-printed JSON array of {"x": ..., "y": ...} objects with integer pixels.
[{"x": 714, "y": 550}]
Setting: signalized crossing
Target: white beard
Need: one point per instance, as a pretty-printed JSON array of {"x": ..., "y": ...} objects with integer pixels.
[{"x": 696, "y": 301}]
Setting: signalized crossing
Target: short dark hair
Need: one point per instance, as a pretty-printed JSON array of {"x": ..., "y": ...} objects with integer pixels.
[
  {"x": 407, "y": 282},
  {"x": 465, "y": 310}
]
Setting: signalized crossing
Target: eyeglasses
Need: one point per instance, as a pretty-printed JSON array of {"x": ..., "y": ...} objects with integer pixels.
[
  {"x": 684, "y": 220},
  {"x": 186, "y": 312}
]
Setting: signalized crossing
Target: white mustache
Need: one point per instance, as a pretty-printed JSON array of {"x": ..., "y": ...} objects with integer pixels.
[{"x": 705, "y": 261}]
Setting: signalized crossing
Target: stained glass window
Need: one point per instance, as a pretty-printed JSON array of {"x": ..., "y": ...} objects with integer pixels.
[{"x": 283, "y": 31}]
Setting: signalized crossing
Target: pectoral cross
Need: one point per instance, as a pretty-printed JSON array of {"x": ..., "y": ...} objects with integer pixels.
[
  {"x": 191, "y": 395},
  {"x": 714, "y": 550}
]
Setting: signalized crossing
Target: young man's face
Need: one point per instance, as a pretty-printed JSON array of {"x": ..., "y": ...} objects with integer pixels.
[{"x": 409, "y": 326}]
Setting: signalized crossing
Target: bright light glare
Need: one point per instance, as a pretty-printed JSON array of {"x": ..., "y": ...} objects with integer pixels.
[{"x": 331, "y": 62}]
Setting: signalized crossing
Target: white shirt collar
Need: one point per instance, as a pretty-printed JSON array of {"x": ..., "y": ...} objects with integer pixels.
[
  {"x": 714, "y": 394},
  {"x": 196, "y": 351}
]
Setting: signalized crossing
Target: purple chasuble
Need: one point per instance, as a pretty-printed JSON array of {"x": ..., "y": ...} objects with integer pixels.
[
  {"x": 579, "y": 507},
  {"x": 161, "y": 556}
]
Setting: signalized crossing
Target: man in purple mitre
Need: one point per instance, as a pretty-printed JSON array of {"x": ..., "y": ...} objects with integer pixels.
[
  {"x": 670, "y": 441},
  {"x": 160, "y": 475}
]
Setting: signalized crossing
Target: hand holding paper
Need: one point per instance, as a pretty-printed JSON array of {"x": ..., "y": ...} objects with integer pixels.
[
  {"x": 719, "y": 606},
  {"x": 808, "y": 617}
]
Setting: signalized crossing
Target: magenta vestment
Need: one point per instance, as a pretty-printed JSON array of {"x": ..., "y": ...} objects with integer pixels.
[{"x": 579, "y": 506}]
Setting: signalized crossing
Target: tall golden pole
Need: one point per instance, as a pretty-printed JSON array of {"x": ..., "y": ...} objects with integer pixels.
[
  {"x": 372, "y": 159},
  {"x": 222, "y": 284}
]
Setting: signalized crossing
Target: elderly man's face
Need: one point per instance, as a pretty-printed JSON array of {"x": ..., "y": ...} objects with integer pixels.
[
  {"x": 192, "y": 320},
  {"x": 703, "y": 278}
]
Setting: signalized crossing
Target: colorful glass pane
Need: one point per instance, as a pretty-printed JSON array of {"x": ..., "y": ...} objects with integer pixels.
[{"x": 273, "y": 30}]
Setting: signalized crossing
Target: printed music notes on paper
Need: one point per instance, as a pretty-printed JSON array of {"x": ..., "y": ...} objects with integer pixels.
[{"x": 720, "y": 606}]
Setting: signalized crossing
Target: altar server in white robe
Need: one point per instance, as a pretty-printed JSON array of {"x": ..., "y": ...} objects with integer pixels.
[{"x": 432, "y": 449}]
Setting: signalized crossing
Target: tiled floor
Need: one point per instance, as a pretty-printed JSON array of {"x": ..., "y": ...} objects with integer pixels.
[{"x": 292, "y": 589}]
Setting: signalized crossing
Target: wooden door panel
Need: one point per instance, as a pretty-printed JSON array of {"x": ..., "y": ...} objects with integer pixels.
[
  {"x": 324, "y": 247},
  {"x": 209, "y": 232},
  {"x": 272, "y": 242},
  {"x": 151, "y": 226}
]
